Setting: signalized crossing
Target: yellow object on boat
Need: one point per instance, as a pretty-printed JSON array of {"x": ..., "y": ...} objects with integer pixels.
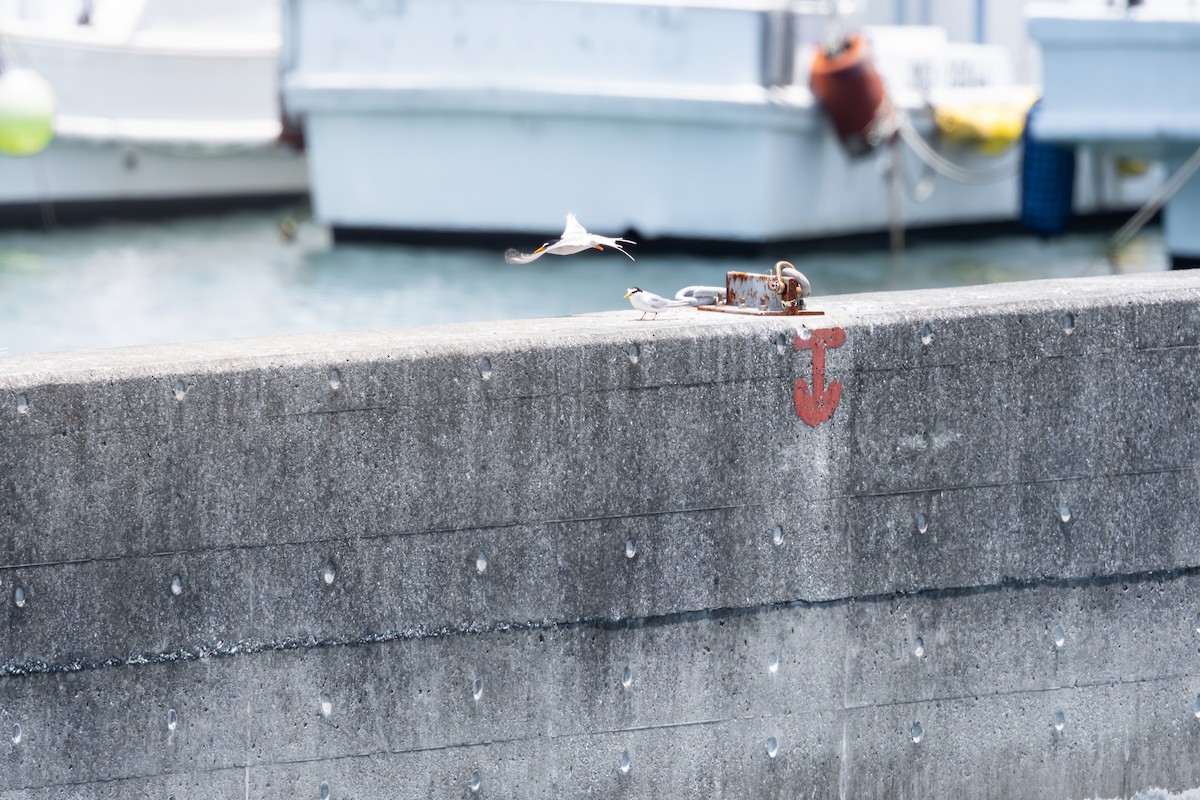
[
  {"x": 27, "y": 108},
  {"x": 1128, "y": 167},
  {"x": 992, "y": 127}
]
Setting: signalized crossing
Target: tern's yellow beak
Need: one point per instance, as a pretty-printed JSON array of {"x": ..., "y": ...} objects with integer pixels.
[
  {"x": 627, "y": 295},
  {"x": 540, "y": 249}
]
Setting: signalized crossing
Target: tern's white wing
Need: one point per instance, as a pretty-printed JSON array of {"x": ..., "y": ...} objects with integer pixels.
[
  {"x": 573, "y": 228},
  {"x": 514, "y": 256},
  {"x": 653, "y": 303},
  {"x": 658, "y": 302}
]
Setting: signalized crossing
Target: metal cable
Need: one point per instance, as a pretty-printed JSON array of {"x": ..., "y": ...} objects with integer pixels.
[
  {"x": 895, "y": 217},
  {"x": 945, "y": 166},
  {"x": 1156, "y": 202},
  {"x": 701, "y": 295}
]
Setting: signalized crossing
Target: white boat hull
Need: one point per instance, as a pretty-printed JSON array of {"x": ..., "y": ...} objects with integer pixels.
[
  {"x": 498, "y": 117},
  {"x": 88, "y": 171},
  {"x": 752, "y": 181},
  {"x": 157, "y": 101}
]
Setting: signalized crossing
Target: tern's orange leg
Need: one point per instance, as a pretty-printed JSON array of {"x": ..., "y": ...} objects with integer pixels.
[{"x": 598, "y": 247}]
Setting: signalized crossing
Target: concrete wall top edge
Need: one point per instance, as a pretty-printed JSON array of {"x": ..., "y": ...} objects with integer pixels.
[
  {"x": 617, "y": 328},
  {"x": 1066, "y": 294}
]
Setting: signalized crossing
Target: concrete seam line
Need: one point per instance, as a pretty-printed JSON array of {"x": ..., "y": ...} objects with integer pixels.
[
  {"x": 370, "y": 537},
  {"x": 966, "y": 487},
  {"x": 1033, "y": 690},
  {"x": 373, "y": 537},
  {"x": 551, "y": 737},
  {"x": 392, "y": 752},
  {"x": 255, "y": 647}
]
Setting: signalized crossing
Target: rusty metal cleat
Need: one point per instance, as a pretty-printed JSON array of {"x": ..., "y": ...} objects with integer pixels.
[{"x": 771, "y": 295}]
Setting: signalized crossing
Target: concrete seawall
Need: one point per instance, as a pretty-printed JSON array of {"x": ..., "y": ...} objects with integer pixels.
[{"x": 592, "y": 557}]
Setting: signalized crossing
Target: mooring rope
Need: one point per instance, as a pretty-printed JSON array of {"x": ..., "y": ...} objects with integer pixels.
[
  {"x": 944, "y": 166},
  {"x": 1156, "y": 202}
]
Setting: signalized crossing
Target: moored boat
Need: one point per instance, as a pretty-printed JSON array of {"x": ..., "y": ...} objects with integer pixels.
[
  {"x": 161, "y": 104},
  {"x": 667, "y": 119}
]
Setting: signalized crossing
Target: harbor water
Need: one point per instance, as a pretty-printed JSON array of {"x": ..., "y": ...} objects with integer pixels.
[{"x": 236, "y": 275}]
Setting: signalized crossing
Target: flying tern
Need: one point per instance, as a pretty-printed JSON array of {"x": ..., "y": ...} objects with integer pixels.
[{"x": 574, "y": 239}]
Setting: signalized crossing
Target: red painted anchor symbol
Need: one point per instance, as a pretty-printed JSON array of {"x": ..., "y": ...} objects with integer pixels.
[{"x": 816, "y": 405}]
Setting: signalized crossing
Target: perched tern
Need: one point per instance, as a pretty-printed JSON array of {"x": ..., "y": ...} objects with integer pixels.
[
  {"x": 574, "y": 239},
  {"x": 650, "y": 303}
]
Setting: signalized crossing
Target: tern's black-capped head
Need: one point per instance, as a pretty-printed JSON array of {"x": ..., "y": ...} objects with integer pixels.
[{"x": 630, "y": 291}]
